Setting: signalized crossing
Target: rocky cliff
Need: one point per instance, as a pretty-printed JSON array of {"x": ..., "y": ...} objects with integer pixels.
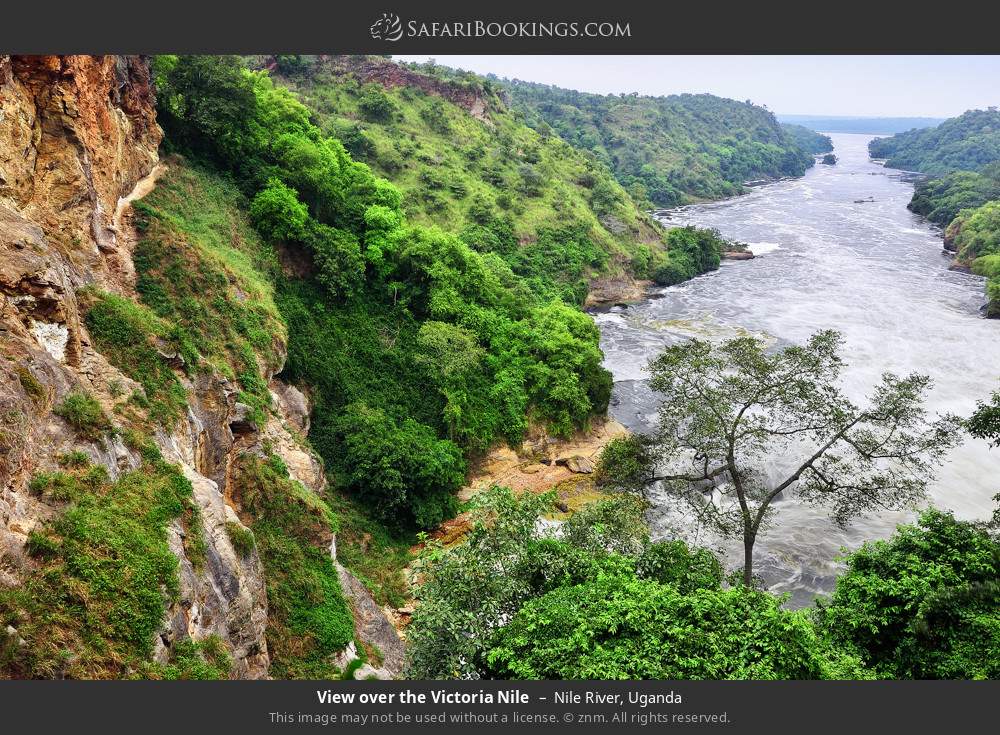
[{"x": 78, "y": 144}]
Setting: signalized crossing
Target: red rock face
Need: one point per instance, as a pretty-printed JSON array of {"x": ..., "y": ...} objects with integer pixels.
[
  {"x": 76, "y": 134},
  {"x": 389, "y": 74},
  {"x": 83, "y": 133}
]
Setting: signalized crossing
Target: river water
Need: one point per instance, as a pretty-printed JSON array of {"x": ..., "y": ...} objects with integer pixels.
[{"x": 872, "y": 270}]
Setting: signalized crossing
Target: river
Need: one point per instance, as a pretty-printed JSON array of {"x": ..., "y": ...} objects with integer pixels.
[{"x": 872, "y": 270}]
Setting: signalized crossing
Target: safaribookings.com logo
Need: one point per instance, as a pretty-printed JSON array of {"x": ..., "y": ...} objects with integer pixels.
[{"x": 390, "y": 28}]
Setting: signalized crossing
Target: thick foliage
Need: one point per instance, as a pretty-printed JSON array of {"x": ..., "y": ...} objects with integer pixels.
[
  {"x": 924, "y": 604},
  {"x": 627, "y": 628},
  {"x": 940, "y": 200},
  {"x": 967, "y": 142},
  {"x": 596, "y": 599},
  {"x": 692, "y": 252},
  {"x": 470, "y": 165},
  {"x": 387, "y": 308},
  {"x": 976, "y": 235}
]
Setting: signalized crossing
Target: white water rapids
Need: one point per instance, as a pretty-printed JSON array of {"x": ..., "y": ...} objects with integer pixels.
[{"x": 871, "y": 270}]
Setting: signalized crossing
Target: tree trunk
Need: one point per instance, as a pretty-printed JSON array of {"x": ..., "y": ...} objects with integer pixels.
[{"x": 748, "y": 539}]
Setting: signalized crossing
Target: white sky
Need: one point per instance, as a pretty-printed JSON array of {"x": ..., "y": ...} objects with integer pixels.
[{"x": 888, "y": 86}]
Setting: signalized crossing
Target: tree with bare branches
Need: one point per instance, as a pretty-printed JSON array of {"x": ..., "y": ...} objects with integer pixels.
[{"x": 729, "y": 411}]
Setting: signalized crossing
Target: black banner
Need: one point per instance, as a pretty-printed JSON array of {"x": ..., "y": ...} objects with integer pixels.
[
  {"x": 490, "y": 706},
  {"x": 446, "y": 26}
]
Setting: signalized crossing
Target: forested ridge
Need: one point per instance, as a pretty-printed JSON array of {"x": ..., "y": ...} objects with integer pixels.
[
  {"x": 962, "y": 155},
  {"x": 671, "y": 150}
]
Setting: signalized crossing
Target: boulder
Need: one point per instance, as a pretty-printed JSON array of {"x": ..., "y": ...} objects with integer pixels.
[{"x": 576, "y": 464}]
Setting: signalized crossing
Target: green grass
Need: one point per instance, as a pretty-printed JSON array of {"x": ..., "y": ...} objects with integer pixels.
[
  {"x": 241, "y": 538},
  {"x": 206, "y": 659},
  {"x": 203, "y": 270},
  {"x": 83, "y": 412},
  {"x": 93, "y": 606},
  {"x": 373, "y": 553},
  {"x": 308, "y": 618},
  {"x": 135, "y": 340}
]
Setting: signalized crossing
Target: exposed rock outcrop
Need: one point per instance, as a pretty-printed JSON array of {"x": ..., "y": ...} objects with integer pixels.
[{"x": 78, "y": 143}]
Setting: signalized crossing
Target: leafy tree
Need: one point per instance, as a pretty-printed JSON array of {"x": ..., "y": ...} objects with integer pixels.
[
  {"x": 925, "y": 604},
  {"x": 376, "y": 104},
  {"x": 627, "y": 628},
  {"x": 340, "y": 265},
  {"x": 726, "y": 408},
  {"x": 405, "y": 473},
  {"x": 470, "y": 591},
  {"x": 204, "y": 101},
  {"x": 278, "y": 214}
]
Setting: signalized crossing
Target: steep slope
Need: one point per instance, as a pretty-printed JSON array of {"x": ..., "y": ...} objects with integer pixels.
[
  {"x": 467, "y": 163},
  {"x": 667, "y": 150},
  {"x": 138, "y": 400}
]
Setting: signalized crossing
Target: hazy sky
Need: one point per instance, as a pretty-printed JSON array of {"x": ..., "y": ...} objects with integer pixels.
[{"x": 931, "y": 86}]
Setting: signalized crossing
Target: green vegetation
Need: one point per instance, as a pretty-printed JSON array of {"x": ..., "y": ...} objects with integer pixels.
[
  {"x": 964, "y": 152},
  {"x": 465, "y": 162},
  {"x": 968, "y": 142},
  {"x": 206, "y": 659},
  {"x": 375, "y": 290},
  {"x": 670, "y": 150},
  {"x": 940, "y": 200},
  {"x": 976, "y": 237},
  {"x": 308, "y": 618},
  {"x": 241, "y": 538},
  {"x": 92, "y": 608},
  {"x": 598, "y": 601},
  {"x": 205, "y": 273},
  {"x": 924, "y": 604},
  {"x": 725, "y": 408},
  {"x": 808, "y": 139},
  {"x": 692, "y": 251},
  {"x": 141, "y": 345},
  {"x": 628, "y": 628},
  {"x": 83, "y": 412}
]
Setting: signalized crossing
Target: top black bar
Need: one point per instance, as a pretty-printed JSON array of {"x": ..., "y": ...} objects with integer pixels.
[{"x": 511, "y": 26}]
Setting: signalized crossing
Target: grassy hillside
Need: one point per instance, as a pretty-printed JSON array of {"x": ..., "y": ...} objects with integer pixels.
[
  {"x": 467, "y": 163},
  {"x": 964, "y": 143},
  {"x": 667, "y": 150}
]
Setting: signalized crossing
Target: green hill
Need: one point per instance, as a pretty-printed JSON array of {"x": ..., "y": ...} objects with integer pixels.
[
  {"x": 466, "y": 162},
  {"x": 964, "y": 143},
  {"x": 669, "y": 150}
]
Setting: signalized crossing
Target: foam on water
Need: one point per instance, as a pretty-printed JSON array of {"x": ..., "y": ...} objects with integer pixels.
[{"x": 872, "y": 270}]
